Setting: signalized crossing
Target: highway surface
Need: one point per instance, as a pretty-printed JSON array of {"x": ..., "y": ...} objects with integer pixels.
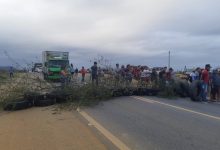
[{"x": 149, "y": 123}]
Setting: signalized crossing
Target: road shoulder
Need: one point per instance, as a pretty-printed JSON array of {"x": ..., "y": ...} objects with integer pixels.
[{"x": 44, "y": 128}]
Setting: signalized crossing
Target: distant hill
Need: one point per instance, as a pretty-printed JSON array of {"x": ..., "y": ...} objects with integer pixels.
[{"x": 4, "y": 67}]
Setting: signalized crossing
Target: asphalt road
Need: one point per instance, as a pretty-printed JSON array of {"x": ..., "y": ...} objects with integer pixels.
[{"x": 158, "y": 124}]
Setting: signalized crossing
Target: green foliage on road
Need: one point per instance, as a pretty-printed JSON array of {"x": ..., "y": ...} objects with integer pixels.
[
  {"x": 15, "y": 88},
  {"x": 77, "y": 94},
  {"x": 86, "y": 95}
]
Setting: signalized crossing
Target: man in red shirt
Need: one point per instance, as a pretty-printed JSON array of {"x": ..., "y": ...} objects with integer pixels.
[
  {"x": 205, "y": 82},
  {"x": 83, "y": 72}
]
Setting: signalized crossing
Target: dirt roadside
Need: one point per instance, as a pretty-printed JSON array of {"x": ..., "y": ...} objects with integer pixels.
[{"x": 45, "y": 129}]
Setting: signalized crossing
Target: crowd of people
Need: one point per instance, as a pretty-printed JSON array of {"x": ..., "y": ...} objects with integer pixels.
[
  {"x": 144, "y": 74},
  {"x": 160, "y": 77},
  {"x": 121, "y": 74},
  {"x": 70, "y": 73},
  {"x": 210, "y": 82}
]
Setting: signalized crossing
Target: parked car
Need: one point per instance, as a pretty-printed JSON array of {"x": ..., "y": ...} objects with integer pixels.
[{"x": 38, "y": 69}]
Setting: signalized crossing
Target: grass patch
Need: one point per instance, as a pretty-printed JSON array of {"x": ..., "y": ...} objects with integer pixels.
[{"x": 3, "y": 76}]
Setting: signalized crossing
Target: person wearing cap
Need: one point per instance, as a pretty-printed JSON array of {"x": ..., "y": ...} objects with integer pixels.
[
  {"x": 94, "y": 73},
  {"x": 205, "y": 82}
]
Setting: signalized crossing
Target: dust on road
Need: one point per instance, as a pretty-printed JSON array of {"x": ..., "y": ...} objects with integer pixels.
[{"x": 44, "y": 129}]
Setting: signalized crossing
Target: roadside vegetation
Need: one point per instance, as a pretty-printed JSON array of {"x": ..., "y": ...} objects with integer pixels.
[
  {"x": 3, "y": 76},
  {"x": 28, "y": 89}
]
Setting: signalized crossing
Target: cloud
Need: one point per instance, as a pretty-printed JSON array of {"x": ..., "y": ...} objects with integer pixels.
[{"x": 126, "y": 30}]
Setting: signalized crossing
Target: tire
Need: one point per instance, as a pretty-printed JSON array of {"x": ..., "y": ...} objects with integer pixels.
[
  {"x": 181, "y": 88},
  {"x": 61, "y": 100},
  {"x": 31, "y": 97},
  {"x": 194, "y": 90},
  {"x": 142, "y": 91},
  {"x": 19, "y": 105},
  {"x": 135, "y": 92},
  {"x": 153, "y": 92},
  {"x": 57, "y": 97},
  {"x": 127, "y": 92},
  {"x": 45, "y": 76},
  {"x": 139, "y": 92},
  {"x": 147, "y": 92},
  {"x": 22, "y": 105},
  {"x": 114, "y": 93},
  {"x": 185, "y": 87},
  {"x": 117, "y": 92},
  {"x": 44, "y": 102},
  {"x": 8, "y": 107}
]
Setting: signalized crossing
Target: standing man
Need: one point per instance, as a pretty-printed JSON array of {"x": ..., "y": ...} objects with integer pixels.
[
  {"x": 117, "y": 75},
  {"x": 193, "y": 76},
  {"x": 94, "y": 72},
  {"x": 162, "y": 78},
  {"x": 128, "y": 75},
  {"x": 76, "y": 73},
  {"x": 83, "y": 72},
  {"x": 198, "y": 73},
  {"x": 72, "y": 70},
  {"x": 63, "y": 77},
  {"x": 11, "y": 72},
  {"x": 205, "y": 82},
  {"x": 154, "y": 77},
  {"x": 215, "y": 86}
]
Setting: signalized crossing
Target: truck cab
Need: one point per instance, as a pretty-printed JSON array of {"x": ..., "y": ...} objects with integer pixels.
[{"x": 53, "y": 63}]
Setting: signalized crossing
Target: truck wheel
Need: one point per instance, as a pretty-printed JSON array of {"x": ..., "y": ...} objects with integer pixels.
[{"x": 45, "y": 76}]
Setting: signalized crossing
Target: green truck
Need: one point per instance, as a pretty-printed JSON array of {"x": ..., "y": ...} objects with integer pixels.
[{"x": 53, "y": 63}]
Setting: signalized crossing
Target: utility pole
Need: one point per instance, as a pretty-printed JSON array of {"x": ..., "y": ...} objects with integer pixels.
[{"x": 169, "y": 61}]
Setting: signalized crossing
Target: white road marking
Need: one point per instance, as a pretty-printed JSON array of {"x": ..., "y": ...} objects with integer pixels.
[
  {"x": 145, "y": 100},
  {"x": 176, "y": 107},
  {"x": 119, "y": 144}
]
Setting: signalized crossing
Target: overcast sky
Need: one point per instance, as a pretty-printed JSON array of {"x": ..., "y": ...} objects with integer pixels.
[{"x": 124, "y": 31}]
